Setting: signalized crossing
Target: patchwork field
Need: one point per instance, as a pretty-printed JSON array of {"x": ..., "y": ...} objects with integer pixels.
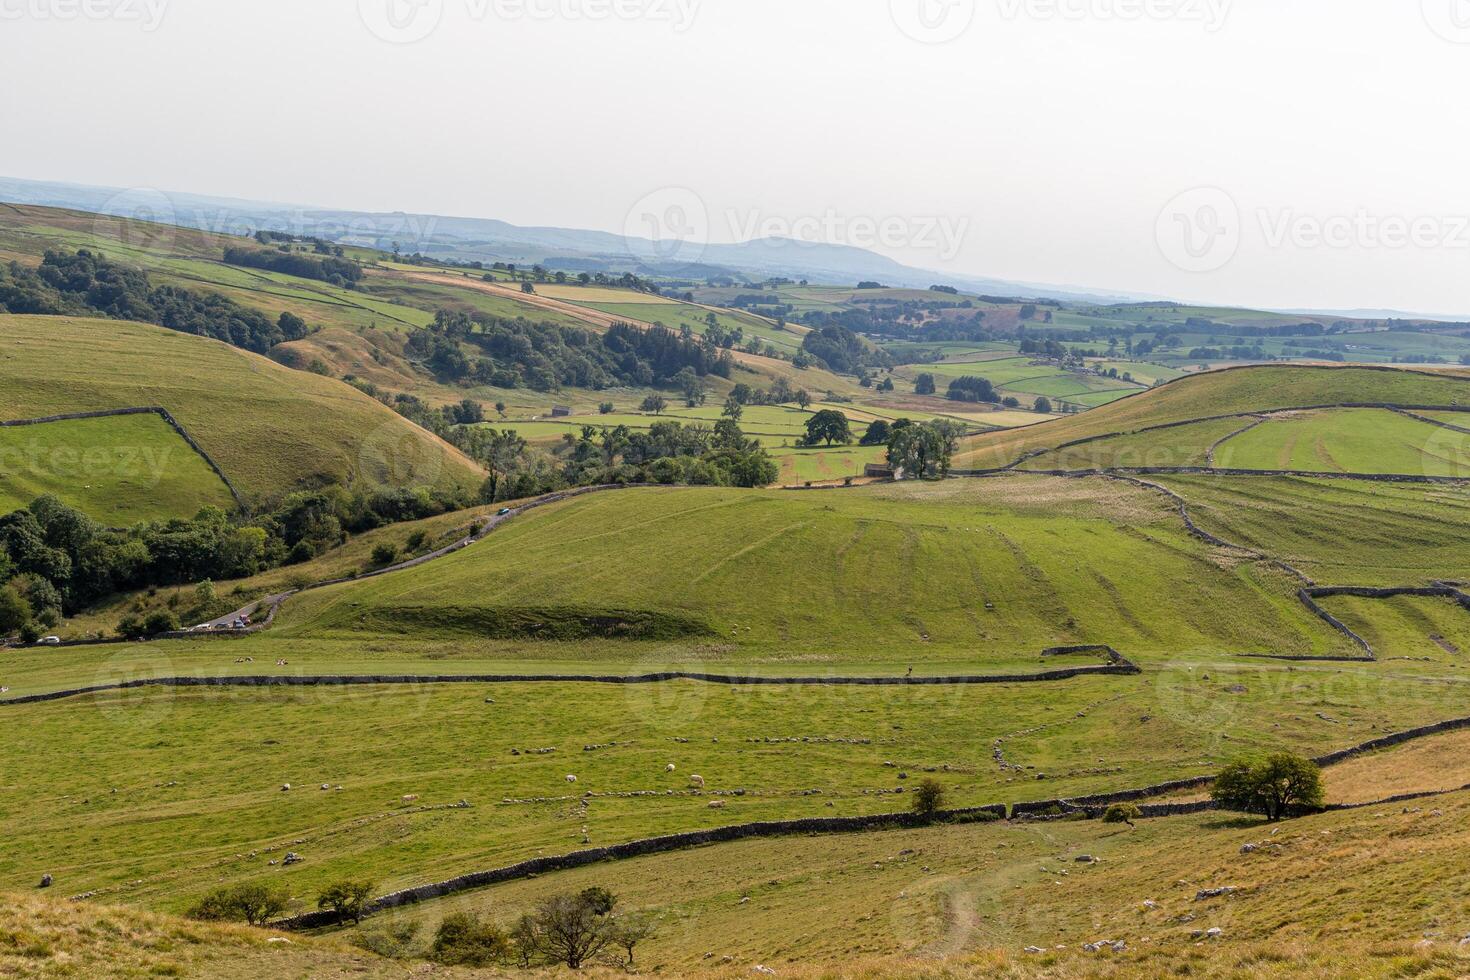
[
  {"x": 118, "y": 470},
  {"x": 1349, "y": 441},
  {"x": 269, "y": 428},
  {"x": 1233, "y": 392}
]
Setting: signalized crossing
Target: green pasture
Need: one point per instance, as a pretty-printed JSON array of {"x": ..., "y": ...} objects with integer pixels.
[
  {"x": 118, "y": 471},
  {"x": 1339, "y": 532},
  {"x": 269, "y": 428},
  {"x": 168, "y": 792},
  {"x": 1240, "y": 390},
  {"x": 898, "y": 572},
  {"x": 1349, "y": 441}
]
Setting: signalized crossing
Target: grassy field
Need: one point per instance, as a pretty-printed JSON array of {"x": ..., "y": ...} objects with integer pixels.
[
  {"x": 1330, "y": 883},
  {"x": 1350, "y": 441},
  {"x": 995, "y": 567},
  {"x": 1027, "y": 379},
  {"x": 118, "y": 471},
  {"x": 170, "y": 791},
  {"x": 270, "y": 429},
  {"x": 1339, "y": 532},
  {"x": 1241, "y": 390}
]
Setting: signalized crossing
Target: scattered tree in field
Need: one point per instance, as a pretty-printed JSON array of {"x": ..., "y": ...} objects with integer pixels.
[
  {"x": 1043, "y": 405},
  {"x": 346, "y": 899},
  {"x": 972, "y": 389},
  {"x": 605, "y": 408},
  {"x": 1276, "y": 786},
  {"x": 463, "y": 940},
  {"x": 928, "y": 800},
  {"x": 630, "y": 929},
  {"x": 655, "y": 404},
  {"x": 500, "y": 409},
  {"x": 924, "y": 384},
  {"x": 252, "y": 902},
  {"x": 572, "y": 929},
  {"x": 385, "y": 554},
  {"x": 161, "y": 621},
  {"x": 1122, "y": 813},
  {"x": 877, "y": 434},
  {"x": 528, "y": 287},
  {"x": 803, "y": 399},
  {"x": 923, "y": 450},
  {"x": 830, "y": 426}
]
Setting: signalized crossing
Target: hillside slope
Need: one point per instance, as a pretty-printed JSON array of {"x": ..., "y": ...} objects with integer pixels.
[
  {"x": 1230, "y": 392},
  {"x": 269, "y": 428},
  {"x": 909, "y": 572}
]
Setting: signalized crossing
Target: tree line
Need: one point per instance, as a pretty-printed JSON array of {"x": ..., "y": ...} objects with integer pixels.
[
  {"x": 330, "y": 269},
  {"x": 85, "y": 283}
]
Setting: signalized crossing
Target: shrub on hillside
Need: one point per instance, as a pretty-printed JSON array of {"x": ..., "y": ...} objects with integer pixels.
[
  {"x": 1122, "y": 813},
  {"x": 928, "y": 800},
  {"x": 385, "y": 554},
  {"x": 346, "y": 899},
  {"x": 252, "y": 902},
  {"x": 161, "y": 621},
  {"x": 463, "y": 940},
  {"x": 1276, "y": 787}
]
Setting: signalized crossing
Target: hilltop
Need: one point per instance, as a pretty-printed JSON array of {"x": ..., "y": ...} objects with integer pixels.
[
  {"x": 270, "y": 429},
  {"x": 1234, "y": 392}
]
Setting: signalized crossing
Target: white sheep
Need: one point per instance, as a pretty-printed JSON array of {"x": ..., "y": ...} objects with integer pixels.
[
  {"x": 669, "y": 767},
  {"x": 696, "y": 781},
  {"x": 717, "y": 804},
  {"x": 571, "y": 779}
]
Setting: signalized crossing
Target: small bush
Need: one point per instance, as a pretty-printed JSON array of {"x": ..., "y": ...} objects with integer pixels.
[
  {"x": 463, "y": 940},
  {"x": 162, "y": 621},
  {"x": 395, "y": 941},
  {"x": 1122, "y": 813},
  {"x": 385, "y": 554},
  {"x": 928, "y": 799},
  {"x": 346, "y": 899},
  {"x": 252, "y": 902}
]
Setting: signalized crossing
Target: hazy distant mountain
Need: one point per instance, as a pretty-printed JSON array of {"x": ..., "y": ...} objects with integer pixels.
[{"x": 490, "y": 240}]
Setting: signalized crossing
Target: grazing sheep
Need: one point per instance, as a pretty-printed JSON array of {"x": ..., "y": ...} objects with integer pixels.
[
  {"x": 717, "y": 804},
  {"x": 571, "y": 779},
  {"x": 697, "y": 781},
  {"x": 669, "y": 767}
]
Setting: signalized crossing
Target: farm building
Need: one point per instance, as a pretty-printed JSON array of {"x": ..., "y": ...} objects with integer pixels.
[
  {"x": 560, "y": 411},
  {"x": 878, "y": 471}
]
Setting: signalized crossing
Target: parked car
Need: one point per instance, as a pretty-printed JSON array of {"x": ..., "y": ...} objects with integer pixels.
[
  {"x": 50, "y": 641},
  {"x": 503, "y": 512}
]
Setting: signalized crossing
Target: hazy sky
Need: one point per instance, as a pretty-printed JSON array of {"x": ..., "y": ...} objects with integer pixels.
[{"x": 1282, "y": 153}]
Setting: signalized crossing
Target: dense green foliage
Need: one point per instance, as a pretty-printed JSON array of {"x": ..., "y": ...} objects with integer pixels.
[
  {"x": 1278, "y": 786},
  {"x": 338, "y": 272},
  {"x": 86, "y": 283},
  {"x": 520, "y": 353}
]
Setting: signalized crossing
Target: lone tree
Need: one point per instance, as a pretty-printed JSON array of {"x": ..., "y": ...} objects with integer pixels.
[
  {"x": 630, "y": 929},
  {"x": 1276, "y": 786},
  {"x": 573, "y": 929},
  {"x": 1043, "y": 405},
  {"x": 828, "y": 425},
  {"x": 1122, "y": 813},
  {"x": 655, "y": 404},
  {"x": 928, "y": 800},
  {"x": 346, "y": 899},
  {"x": 924, "y": 384}
]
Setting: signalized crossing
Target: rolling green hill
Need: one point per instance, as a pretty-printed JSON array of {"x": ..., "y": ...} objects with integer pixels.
[
  {"x": 117, "y": 470},
  {"x": 270, "y": 429},
  {"x": 1232, "y": 392},
  {"x": 970, "y": 569}
]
